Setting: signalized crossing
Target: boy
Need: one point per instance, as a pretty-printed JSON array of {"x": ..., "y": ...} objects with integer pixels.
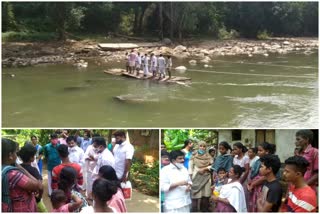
[
  {"x": 221, "y": 180},
  {"x": 270, "y": 198},
  {"x": 301, "y": 197},
  {"x": 51, "y": 154}
]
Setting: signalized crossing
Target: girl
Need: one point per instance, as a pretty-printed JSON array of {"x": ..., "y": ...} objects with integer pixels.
[
  {"x": 67, "y": 183},
  {"x": 102, "y": 192},
  {"x": 231, "y": 197},
  {"x": 241, "y": 159},
  {"x": 225, "y": 160},
  {"x": 18, "y": 184},
  {"x": 255, "y": 184},
  {"x": 199, "y": 171},
  {"x": 58, "y": 200},
  {"x": 117, "y": 201}
]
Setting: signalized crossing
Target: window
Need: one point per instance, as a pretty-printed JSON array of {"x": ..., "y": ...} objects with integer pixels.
[{"x": 236, "y": 135}]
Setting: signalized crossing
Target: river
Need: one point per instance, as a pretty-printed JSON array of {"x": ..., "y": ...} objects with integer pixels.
[{"x": 279, "y": 91}]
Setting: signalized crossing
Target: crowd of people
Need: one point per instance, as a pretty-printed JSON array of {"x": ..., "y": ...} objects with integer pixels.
[
  {"x": 240, "y": 179},
  {"x": 84, "y": 173},
  {"x": 158, "y": 66}
]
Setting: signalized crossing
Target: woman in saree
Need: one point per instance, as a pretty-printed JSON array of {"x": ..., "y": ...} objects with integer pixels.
[
  {"x": 231, "y": 197},
  {"x": 199, "y": 171}
]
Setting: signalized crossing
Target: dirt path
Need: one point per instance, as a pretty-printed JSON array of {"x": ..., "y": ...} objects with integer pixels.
[{"x": 139, "y": 203}]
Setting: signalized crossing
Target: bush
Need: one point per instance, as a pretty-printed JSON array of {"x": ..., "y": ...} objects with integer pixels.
[
  {"x": 263, "y": 35},
  {"x": 224, "y": 34},
  {"x": 12, "y": 36},
  {"x": 145, "y": 177}
]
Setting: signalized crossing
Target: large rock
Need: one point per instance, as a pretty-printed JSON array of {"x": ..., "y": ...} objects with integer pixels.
[
  {"x": 286, "y": 43},
  {"x": 193, "y": 62},
  {"x": 181, "y": 55},
  {"x": 181, "y": 68},
  {"x": 206, "y": 60},
  {"x": 180, "y": 48},
  {"x": 205, "y": 52},
  {"x": 166, "y": 41}
]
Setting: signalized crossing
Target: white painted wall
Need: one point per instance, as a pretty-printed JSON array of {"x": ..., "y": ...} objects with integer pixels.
[
  {"x": 285, "y": 143},
  {"x": 284, "y": 140}
]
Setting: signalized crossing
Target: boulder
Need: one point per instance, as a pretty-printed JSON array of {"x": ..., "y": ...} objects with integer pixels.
[
  {"x": 193, "y": 62},
  {"x": 206, "y": 60},
  {"x": 205, "y": 52},
  {"x": 181, "y": 68},
  {"x": 180, "y": 48},
  {"x": 286, "y": 43},
  {"x": 166, "y": 41}
]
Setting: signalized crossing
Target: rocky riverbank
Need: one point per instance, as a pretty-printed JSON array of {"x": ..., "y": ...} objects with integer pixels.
[{"x": 29, "y": 54}]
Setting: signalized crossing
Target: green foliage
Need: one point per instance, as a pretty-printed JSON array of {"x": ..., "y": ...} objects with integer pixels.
[
  {"x": 11, "y": 36},
  {"x": 8, "y": 19},
  {"x": 247, "y": 19},
  {"x": 263, "y": 35},
  {"x": 145, "y": 177},
  {"x": 224, "y": 34},
  {"x": 174, "y": 138}
]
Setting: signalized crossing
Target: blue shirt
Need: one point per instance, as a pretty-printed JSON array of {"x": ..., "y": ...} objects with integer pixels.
[
  {"x": 85, "y": 143},
  {"x": 52, "y": 155}
]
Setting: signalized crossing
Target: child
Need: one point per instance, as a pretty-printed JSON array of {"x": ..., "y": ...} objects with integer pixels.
[
  {"x": 220, "y": 181},
  {"x": 231, "y": 197},
  {"x": 58, "y": 200},
  {"x": 117, "y": 201},
  {"x": 255, "y": 181},
  {"x": 225, "y": 160},
  {"x": 301, "y": 197},
  {"x": 271, "y": 194},
  {"x": 102, "y": 192},
  {"x": 252, "y": 153},
  {"x": 241, "y": 159},
  {"x": 67, "y": 182}
]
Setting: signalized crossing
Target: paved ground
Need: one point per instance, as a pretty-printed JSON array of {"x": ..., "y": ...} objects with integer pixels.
[{"x": 139, "y": 203}]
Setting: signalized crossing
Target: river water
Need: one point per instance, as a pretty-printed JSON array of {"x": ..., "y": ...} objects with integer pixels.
[{"x": 279, "y": 91}]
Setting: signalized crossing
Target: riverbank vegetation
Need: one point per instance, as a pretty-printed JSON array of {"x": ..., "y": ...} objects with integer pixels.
[{"x": 47, "y": 21}]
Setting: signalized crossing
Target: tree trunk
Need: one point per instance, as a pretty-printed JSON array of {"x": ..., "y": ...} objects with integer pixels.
[
  {"x": 171, "y": 21},
  {"x": 136, "y": 20},
  {"x": 161, "y": 20}
]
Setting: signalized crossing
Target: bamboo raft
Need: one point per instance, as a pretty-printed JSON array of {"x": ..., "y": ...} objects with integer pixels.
[{"x": 173, "y": 79}]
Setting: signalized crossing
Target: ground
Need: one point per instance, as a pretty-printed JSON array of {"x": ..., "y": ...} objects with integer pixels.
[{"x": 139, "y": 203}]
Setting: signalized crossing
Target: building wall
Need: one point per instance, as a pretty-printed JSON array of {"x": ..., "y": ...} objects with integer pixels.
[
  {"x": 285, "y": 143},
  {"x": 284, "y": 140}
]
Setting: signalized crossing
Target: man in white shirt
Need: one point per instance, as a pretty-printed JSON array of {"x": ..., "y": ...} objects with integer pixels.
[
  {"x": 175, "y": 182},
  {"x": 138, "y": 63},
  {"x": 123, "y": 153},
  {"x": 105, "y": 156},
  {"x": 132, "y": 61},
  {"x": 154, "y": 65},
  {"x": 162, "y": 66},
  {"x": 76, "y": 154},
  {"x": 145, "y": 65}
]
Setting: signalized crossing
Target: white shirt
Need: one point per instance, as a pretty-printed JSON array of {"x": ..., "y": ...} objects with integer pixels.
[
  {"x": 146, "y": 61},
  {"x": 105, "y": 158},
  {"x": 177, "y": 197},
  {"x": 169, "y": 63},
  {"x": 91, "y": 164},
  {"x": 161, "y": 62},
  {"x": 154, "y": 61},
  {"x": 76, "y": 155},
  {"x": 121, "y": 154},
  {"x": 241, "y": 162},
  {"x": 138, "y": 60}
]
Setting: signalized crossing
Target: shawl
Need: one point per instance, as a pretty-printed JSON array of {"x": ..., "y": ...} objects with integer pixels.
[
  {"x": 225, "y": 161},
  {"x": 235, "y": 194}
]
